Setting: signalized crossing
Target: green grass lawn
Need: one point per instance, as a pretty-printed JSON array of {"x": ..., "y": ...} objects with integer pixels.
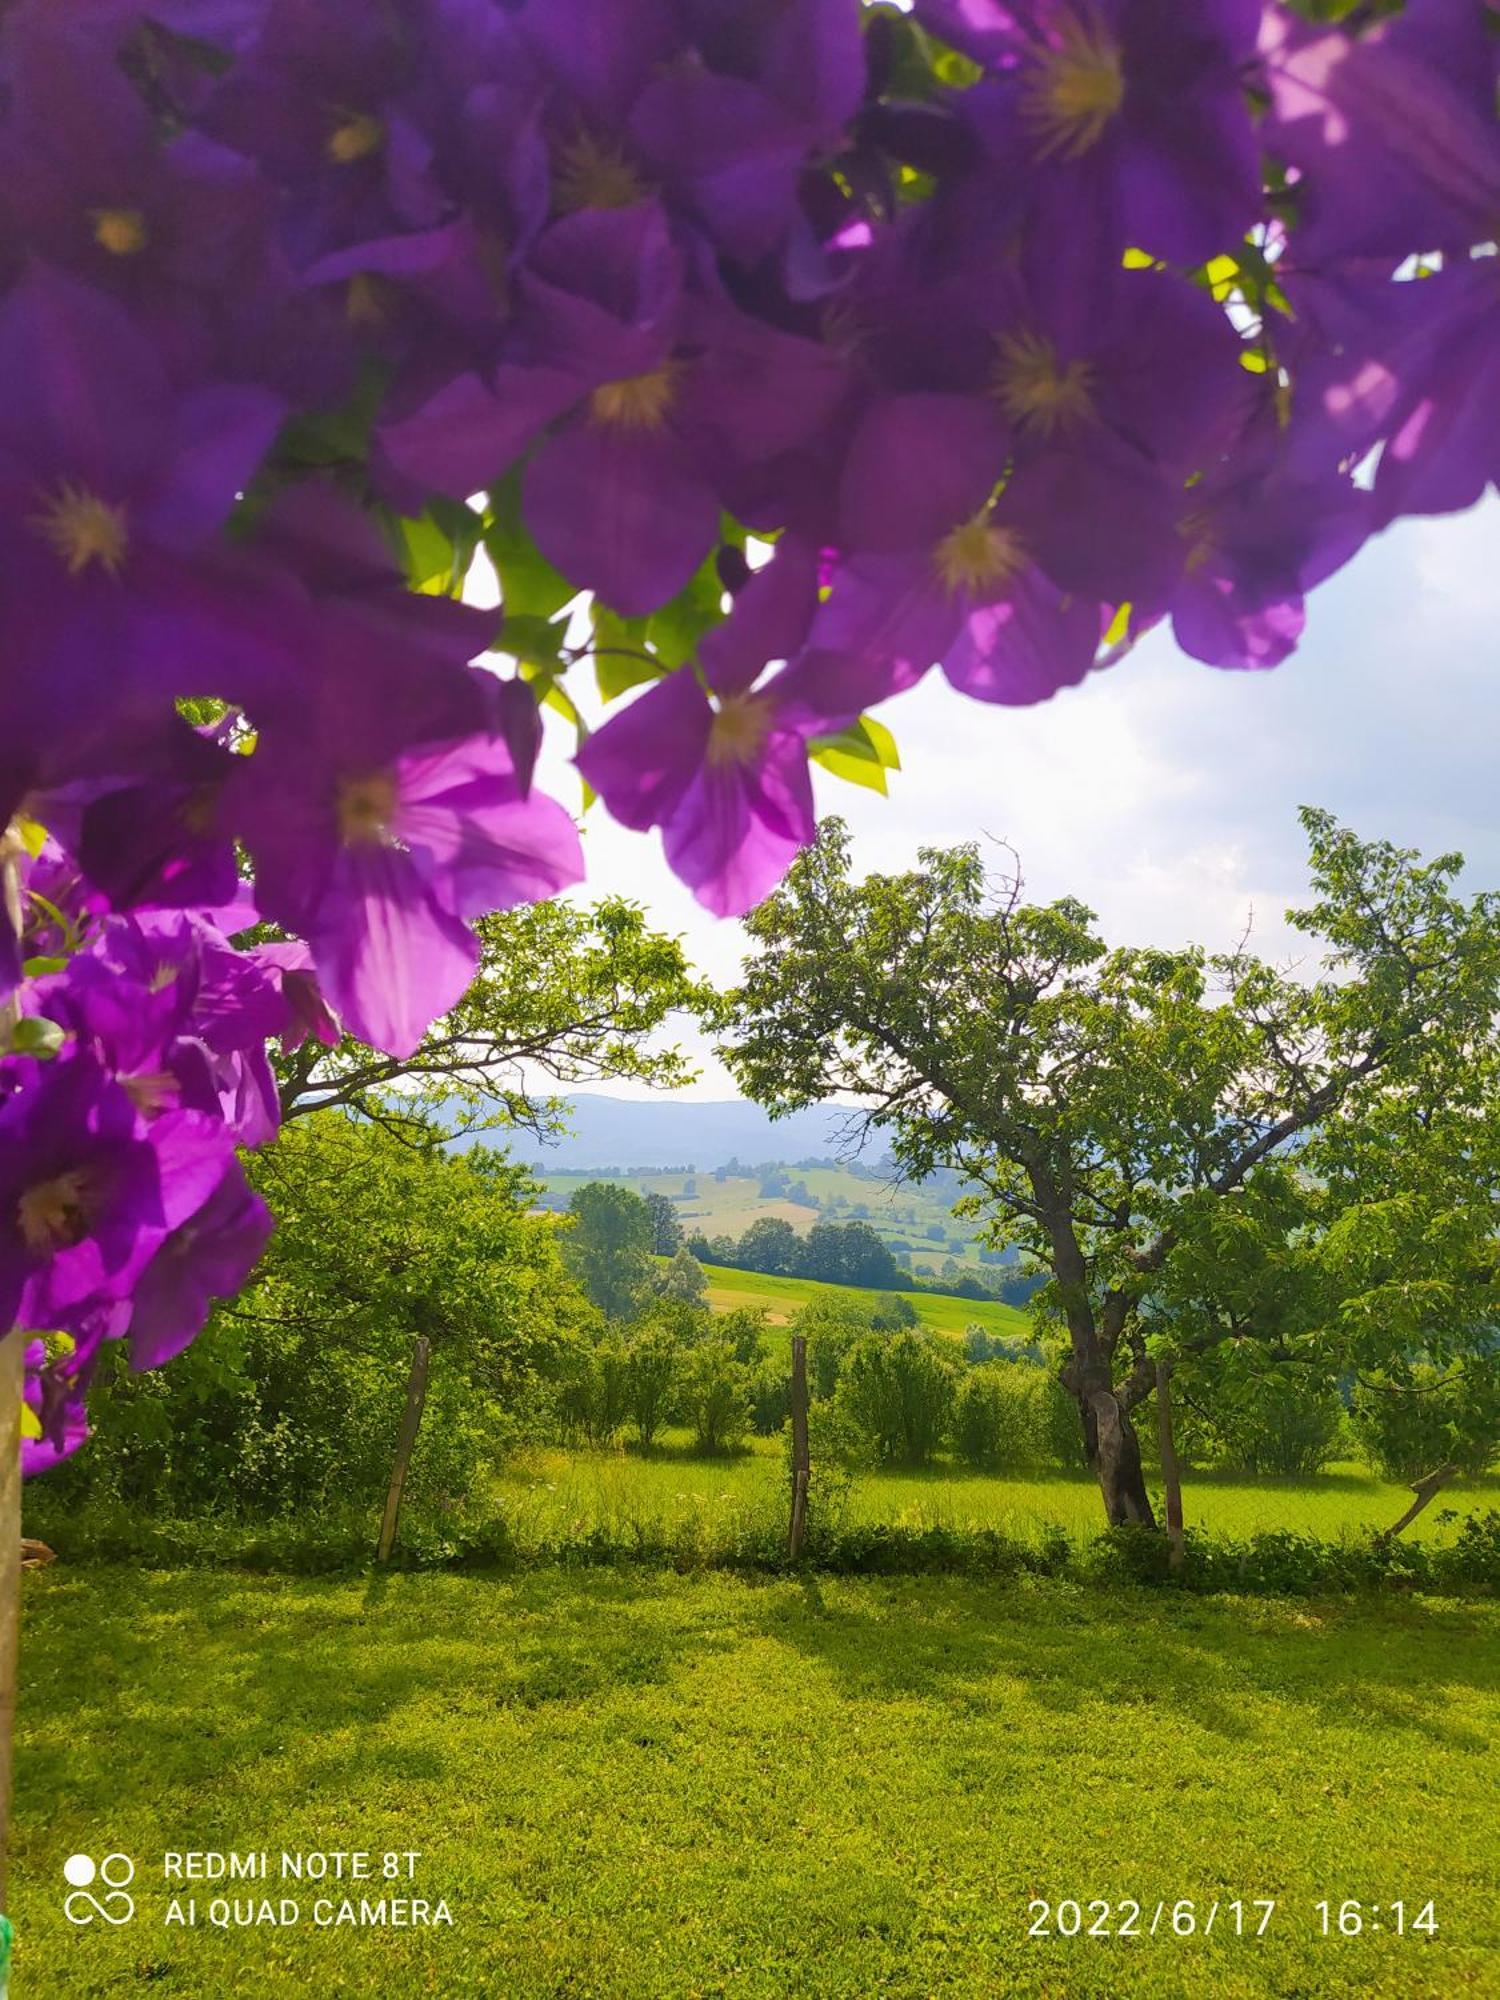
[
  {"x": 550, "y": 1490},
  {"x": 783, "y": 1298},
  {"x": 656, "y": 1786}
]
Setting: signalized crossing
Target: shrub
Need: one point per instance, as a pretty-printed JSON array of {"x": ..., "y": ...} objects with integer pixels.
[
  {"x": 651, "y": 1376},
  {"x": 1411, "y": 1428},
  {"x": 595, "y": 1399},
  {"x": 897, "y": 1391},
  {"x": 1280, "y": 1424},
  {"x": 716, "y": 1397},
  {"x": 995, "y": 1416}
]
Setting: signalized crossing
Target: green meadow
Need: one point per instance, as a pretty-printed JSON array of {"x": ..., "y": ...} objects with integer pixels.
[{"x": 664, "y": 1787}]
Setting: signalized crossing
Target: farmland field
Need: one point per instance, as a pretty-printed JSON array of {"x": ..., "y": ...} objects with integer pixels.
[
  {"x": 781, "y": 1299},
  {"x": 628, "y": 1784},
  {"x": 904, "y": 1216}
]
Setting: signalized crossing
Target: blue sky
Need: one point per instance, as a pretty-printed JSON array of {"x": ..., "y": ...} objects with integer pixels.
[{"x": 1165, "y": 793}]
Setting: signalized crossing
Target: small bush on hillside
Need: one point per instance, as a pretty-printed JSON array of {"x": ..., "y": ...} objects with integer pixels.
[
  {"x": 1275, "y": 1424},
  {"x": 594, "y": 1402},
  {"x": 652, "y": 1370}
]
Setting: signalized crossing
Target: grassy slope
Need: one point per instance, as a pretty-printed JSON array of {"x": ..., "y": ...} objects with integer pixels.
[
  {"x": 784, "y": 1298},
  {"x": 667, "y": 1786}
]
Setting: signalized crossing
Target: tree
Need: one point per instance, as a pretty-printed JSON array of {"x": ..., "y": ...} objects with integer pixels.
[
  {"x": 1433, "y": 1418},
  {"x": 771, "y": 1245},
  {"x": 608, "y": 1248},
  {"x": 573, "y": 992},
  {"x": 292, "y": 1396},
  {"x": 848, "y": 1253},
  {"x": 683, "y": 1279},
  {"x": 1124, "y": 1115},
  {"x": 666, "y": 1230}
]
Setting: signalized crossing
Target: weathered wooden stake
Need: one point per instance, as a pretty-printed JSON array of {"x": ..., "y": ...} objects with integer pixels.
[
  {"x": 12, "y": 1383},
  {"x": 12, "y": 1376},
  {"x": 1426, "y": 1489},
  {"x": 801, "y": 1461},
  {"x": 411, "y": 1423},
  {"x": 1170, "y": 1472}
]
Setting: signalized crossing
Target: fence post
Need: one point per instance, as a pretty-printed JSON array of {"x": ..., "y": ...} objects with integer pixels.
[
  {"x": 411, "y": 1420},
  {"x": 801, "y": 1462},
  {"x": 1171, "y": 1476}
]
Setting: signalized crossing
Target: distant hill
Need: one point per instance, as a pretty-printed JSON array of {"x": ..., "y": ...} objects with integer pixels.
[{"x": 672, "y": 1132}]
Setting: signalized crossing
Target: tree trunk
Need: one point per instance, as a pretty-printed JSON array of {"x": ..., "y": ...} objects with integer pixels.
[
  {"x": 411, "y": 1423},
  {"x": 1171, "y": 1475},
  {"x": 1117, "y": 1461}
]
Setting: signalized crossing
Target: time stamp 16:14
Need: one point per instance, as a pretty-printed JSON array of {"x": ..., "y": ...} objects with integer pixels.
[{"x": 1193, "y": 1916}]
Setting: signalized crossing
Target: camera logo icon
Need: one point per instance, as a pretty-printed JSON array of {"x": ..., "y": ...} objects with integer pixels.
[{"x": 115, "y": 1871}]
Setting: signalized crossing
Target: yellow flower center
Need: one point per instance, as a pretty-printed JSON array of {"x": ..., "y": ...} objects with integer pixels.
[
  {"x": 1033, "y": 388},
  {"x": 82, "y": 529},
  {"x": 637, "y": 402},
  {"x": 120, "y": 231},
  {"x": 1076, "y": 85},
  {"x": 591, "y": 175},
  {"x": 150, "y": 1092},
  {"x": 1198, "y": 530},
  {"x": 355, "y": 139},
  {"x": 978, "y": 555},
  {"x": 739, "y": 728},
  {"x": 367, "y": 809},
  {"x": 367, "y": 299},
  {"x": 54, "y": 1215}
]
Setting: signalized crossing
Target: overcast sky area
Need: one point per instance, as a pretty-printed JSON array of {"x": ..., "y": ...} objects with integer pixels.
[{"x": 1165, "y": 793}]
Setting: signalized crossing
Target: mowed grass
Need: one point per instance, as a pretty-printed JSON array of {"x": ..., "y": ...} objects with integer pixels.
[
  {"x": 657, "y": 1786},
  {"x": 558, "y": 1495},
  {"x": 781, "y": 1299}
]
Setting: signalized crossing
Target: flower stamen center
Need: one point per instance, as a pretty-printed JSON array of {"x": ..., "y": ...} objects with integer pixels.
[
  {"x": 120, "y": 231},
  {"x": 593, "y": 175},
  {"x": 1034, "y": 388},
  {"x": 636, "y": 402},
  {"x": 82, "y": 528},
  {"x": 740, "y": 726},
  {"x": 356, "y": 138},
  {"x": 367, "y": 809},
  {"x": 55, "y": 1214},
  {"x": 1076, "y": 86},
  {"x": 978, "y": 556}
]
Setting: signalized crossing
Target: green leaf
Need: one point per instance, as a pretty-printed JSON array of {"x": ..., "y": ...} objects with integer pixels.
[
  {"x": 38, "y": 968},
  {"x": 860, "y": 755},
  {"x": 529, "y": 585},
  {"x": 37, "y": 1036}
]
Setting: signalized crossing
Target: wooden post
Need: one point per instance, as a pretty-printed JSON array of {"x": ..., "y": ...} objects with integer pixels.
[
  {"x": 801, "y": 1461},
  {"x": 12, "y": 1383},
  {"x": 12, "y": 1375},
  {"x": 1426, "y": 1490},
  {"x": 1170, "y": 1473},
  {"x": 411, "y": 1423}
]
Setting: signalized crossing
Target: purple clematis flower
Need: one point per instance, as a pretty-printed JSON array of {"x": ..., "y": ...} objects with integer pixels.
[
  {"x": 381, "y": 816},
  {"x": 1392, "y": 131},
  {"x": 1258, "y": 533},
  {"x": 718, "y": 763},
  {"x": 109, "y": 486},
  {"x": 54, "y": 1393},
  {"x": 1133, "y": 113},
  {"x": 667, "y": 397},
  {"x": 936, "y": 568},
  {"x": 209, "y": 1256},
  {"x": 88, "y": 1191}
]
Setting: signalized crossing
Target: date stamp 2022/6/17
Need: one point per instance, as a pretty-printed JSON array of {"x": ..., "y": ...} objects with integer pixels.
[{"x": 1238, "y": 1916}]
